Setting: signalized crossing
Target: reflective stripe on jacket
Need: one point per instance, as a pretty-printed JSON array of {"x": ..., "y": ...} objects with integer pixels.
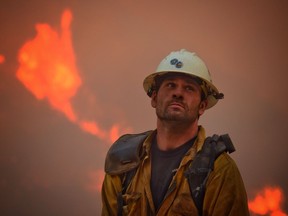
[{"x": 225, "y": 192}]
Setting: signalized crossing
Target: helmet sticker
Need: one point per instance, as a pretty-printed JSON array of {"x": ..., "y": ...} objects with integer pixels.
[
  {"x": 173, "y": 61},
  {"x": 176, "y": 62},
  {"x": 179, "y": 64}
]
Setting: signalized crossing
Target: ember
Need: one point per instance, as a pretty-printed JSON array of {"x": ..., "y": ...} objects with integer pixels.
[{"x": 2, "y": 59}]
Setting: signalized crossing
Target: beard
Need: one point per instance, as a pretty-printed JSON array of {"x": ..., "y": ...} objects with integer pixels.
[{"x": 170, "y": 114}]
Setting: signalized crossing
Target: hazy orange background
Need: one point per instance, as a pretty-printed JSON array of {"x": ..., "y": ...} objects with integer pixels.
[{"x": 50, "y": 166}]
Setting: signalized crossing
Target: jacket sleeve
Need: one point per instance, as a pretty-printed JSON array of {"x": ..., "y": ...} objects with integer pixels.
[
  {"x": 225, "y": 192},
  {"x": 110, "y": 189}
]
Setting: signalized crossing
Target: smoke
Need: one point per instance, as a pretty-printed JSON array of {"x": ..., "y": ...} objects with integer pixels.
[
  {"x": 95, "y": 179},
  {"x": 44, "y": 154}
]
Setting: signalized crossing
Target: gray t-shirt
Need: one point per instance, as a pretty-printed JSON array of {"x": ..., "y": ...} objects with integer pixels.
[{"x": 164, "y": 167}]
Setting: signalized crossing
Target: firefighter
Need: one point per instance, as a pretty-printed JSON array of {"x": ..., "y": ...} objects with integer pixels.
[{"x": 146, "y": 173}]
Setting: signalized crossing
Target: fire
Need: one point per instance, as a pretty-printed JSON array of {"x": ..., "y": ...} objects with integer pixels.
[
  {"x": 268, "y": 201},
  {"x": 47, "y": 66},
  {"x": 48, "y": 70},
  {"x": 93, "y": 128},
  {"x": 110, "y": 136},
  {"x": 2, "y": 59}
]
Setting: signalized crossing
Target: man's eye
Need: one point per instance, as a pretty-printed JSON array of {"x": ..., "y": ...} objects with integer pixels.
[
  {"x": 190, "y": 88},
  {"x": 170, "y": 85}
]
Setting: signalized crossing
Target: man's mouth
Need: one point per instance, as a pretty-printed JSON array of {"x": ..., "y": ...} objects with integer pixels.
[{"x": 176, "y": 105}]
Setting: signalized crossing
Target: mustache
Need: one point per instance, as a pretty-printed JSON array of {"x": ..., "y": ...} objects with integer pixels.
[{"x": 178, "y": 101}]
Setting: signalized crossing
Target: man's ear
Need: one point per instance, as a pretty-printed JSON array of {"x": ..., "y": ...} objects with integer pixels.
[
  {"x": 154, "y": 99},
  {"x": 202, "y": 106}
]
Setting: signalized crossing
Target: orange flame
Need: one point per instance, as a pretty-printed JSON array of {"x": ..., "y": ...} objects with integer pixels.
[
  {"x": 93, "y": 128},
  {"x": 2, "y": 59},
  {"x": 268, "y": 201},
  {"x": 48, "y": 70},
  {"x": 47, "y": 66}
]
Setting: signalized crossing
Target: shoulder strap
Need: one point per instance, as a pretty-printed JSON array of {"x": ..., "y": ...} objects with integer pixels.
[
  {"x": 198, "y": 172},
  {"x": 126, "y": 178}
]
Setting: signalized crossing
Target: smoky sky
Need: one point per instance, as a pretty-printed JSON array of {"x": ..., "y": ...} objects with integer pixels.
[{"x": 49, "y": 166}]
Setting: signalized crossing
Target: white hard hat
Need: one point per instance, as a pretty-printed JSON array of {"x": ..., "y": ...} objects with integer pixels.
[{"x": 189, "y": 63}]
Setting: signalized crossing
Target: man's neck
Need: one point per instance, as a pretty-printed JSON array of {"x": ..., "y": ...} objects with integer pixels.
[{"x": 171, "y": 135}]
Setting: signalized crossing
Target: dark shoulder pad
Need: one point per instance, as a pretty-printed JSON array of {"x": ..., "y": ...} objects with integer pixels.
[
  {"x": 125, "y": 154},
  {"x": 223, "y": 144}
]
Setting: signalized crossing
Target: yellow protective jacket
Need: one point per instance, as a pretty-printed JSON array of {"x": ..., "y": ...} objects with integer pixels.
[{"x": 225, "y": 192}]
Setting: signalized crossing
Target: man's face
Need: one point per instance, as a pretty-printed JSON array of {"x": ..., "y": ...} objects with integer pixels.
[{"x": 179, "y": 99}]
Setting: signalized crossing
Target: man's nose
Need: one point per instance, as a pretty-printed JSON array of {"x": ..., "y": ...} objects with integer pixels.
[{"x": 178, "y": 93}]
